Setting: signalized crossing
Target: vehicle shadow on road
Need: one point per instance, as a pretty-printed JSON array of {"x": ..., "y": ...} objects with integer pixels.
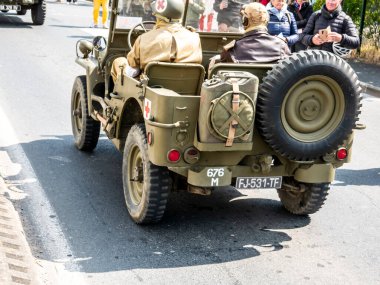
[
  {"x": 85, "y": 190},
  {"x": 11, "y": 20},
  {"x": 367, "y": 177}
]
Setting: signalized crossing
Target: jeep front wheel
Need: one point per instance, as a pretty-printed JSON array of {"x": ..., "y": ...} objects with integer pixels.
[
  {"x": 39, "y": 13},
  {"x": 308, "y": 105},
  {"x": 146, "y": 186},
  {"x": 85, "y": 129},
  {"x": 302, "y": 198}
]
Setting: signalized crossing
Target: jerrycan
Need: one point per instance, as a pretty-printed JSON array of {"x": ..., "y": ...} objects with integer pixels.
[{"x": 227, "y": 107}]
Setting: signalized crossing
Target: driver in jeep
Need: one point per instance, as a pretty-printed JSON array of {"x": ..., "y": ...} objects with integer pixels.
[{"x": 168, "y": 41}]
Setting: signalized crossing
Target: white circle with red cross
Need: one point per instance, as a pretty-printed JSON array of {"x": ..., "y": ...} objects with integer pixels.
[{"x": 161, "y": 5}]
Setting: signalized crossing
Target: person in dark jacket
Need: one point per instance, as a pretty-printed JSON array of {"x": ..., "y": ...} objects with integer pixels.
[
  {"x": 281, "y": 22},
  {"x": 342, "y": 29},
  {"x": 302, "y": 10},
  {"x": 256, "y": 45},
  {"x": 228, "y": 15}
]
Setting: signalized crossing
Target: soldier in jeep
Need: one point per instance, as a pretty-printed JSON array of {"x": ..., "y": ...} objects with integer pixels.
[
  {"x": 256, "y": 45},
  {"x": 168, "y": 41}
]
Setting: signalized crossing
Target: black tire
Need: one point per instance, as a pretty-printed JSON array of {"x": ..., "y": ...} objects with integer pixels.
[
  {"x": 146, "y": 186},
  {"x": 309, "y": 201},
  {"x": 308, "y": 104},
  {"x": 39, "y": 13},
  {"x": 4, "y": 11},
  {"x": 85, "y": 129},
  {"x": 22, "y": 12}
]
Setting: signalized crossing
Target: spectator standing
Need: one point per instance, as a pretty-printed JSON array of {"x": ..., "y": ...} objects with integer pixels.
[
  {"x": 302, "y": 10},
  {"x": 256, "y": 45},
  {"x": 96, "y": 8},
  {"x": 281, "y": 22},
  {"x": 228, "y": 15},
  {"x": 194, "y": 11},
  {"x": 205, "y": 21},
  {"x": 342, "y": 29}
]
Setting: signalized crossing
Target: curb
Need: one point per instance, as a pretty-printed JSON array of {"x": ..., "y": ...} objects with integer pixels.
[
  {"x": 370, "y": 89},
  {"x": 16, "y": 260}
]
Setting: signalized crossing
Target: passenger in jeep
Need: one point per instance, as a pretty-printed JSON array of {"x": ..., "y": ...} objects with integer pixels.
[
  {"x": 168, "y": 41},
  {"x": 256, "y": 45}
]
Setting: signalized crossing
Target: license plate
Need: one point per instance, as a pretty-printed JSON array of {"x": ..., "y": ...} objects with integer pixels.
[
  {"x": 10, "y": 7},
  {"x": 258, "y": 182}
]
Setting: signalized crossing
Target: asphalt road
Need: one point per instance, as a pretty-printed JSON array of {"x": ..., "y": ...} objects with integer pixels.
[{"x": 72, "y": 209}]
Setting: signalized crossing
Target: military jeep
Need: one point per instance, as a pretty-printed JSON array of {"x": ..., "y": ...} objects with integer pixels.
[
  {"x": 37, "y": 7},
  {"x": 181, "y": 126}
]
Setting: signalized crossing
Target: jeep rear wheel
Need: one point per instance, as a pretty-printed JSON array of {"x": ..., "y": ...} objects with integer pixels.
[
  {"x": 85, "y": 129},
  {"x": 22, "y": 11},
  {"x": 39, "y": 12},
  {"x": 304, "y": 198},
  {"x": 146, "y": 186},
  {"x": 308, "y": 105}
]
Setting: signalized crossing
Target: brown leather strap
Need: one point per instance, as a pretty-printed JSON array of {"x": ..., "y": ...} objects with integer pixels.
[{"x": 235, "y": 108}]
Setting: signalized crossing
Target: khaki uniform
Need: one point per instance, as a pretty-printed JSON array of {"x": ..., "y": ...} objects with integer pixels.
[{"x": 167, "y": 42}]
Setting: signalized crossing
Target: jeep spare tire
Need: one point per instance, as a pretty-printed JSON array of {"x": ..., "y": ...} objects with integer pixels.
[{"x": 308, "y": 104}]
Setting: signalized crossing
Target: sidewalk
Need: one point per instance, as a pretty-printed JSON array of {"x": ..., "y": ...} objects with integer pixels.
[
  {"x": 17, "y": 265},
  {"x": 369, "y": 75}
]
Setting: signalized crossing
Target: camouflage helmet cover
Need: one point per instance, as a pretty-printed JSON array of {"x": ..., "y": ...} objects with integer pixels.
[{"x": 168, "y": 9}]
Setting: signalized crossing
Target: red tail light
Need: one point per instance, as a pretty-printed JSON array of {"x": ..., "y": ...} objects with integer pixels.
[
  {"x": 174, "y": 155},
  {"x": 341, "y": 153}
]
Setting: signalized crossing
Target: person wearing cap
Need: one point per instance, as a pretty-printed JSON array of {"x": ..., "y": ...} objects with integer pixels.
[
  {"x": 256, "y": 45},
  {"x": 168, "y": 41}
]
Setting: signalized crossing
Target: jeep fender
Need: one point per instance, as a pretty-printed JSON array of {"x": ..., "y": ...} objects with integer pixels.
[{"x": 92, "y": 75}]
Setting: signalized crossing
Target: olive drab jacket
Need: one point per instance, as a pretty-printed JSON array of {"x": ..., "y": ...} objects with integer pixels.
[{"x": 168, "y": 42}]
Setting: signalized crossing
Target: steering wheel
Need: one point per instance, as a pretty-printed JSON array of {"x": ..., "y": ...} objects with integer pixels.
[{"x": 142, "y": 25}]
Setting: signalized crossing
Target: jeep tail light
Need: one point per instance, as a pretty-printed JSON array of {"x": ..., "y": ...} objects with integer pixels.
[
  {"x": 174, "y": 155},
  {"x": 341, "y": 153}
]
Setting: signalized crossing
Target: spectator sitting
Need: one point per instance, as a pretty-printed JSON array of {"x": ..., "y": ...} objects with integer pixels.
[
  {"x": 342, "y": 29},
  {"x": 256, "y": 45},
  {"x": 282, "y": 22},
  {"x": 169, "y": 41}
]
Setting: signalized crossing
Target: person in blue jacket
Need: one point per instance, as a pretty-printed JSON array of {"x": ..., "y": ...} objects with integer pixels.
[{"x": 282, "y": 22}]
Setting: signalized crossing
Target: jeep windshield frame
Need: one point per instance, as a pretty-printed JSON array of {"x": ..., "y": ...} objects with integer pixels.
[{"x": 122, "y": 21}]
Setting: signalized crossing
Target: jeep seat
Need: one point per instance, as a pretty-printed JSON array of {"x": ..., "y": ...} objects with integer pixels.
[{"x": 183, "y": 78}]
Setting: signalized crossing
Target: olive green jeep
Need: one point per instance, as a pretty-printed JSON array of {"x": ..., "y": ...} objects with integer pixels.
[
  {"x": 37, "y": 7},
  {"x": 286, "y": 125}
]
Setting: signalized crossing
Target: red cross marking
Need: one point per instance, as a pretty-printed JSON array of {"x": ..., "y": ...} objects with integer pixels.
[
  {"x": 160, "y": 4},
  {"x": 147, "y": 109}
]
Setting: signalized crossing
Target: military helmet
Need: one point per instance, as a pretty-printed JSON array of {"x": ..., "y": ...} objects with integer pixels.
[
  {"x": 168, "y": 9},
  {"x": 254, "y": 15}
]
